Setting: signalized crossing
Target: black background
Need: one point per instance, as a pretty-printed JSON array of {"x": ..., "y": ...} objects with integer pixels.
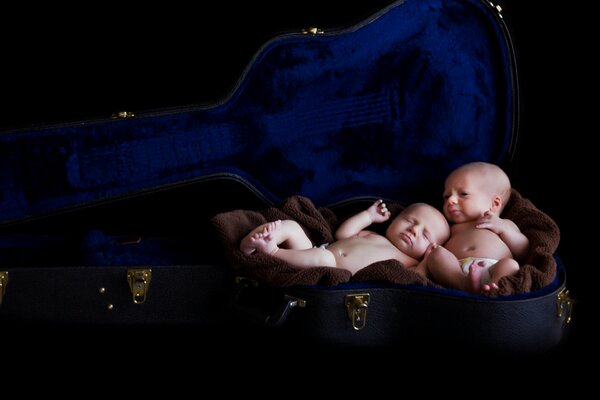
[{"x": 67, "y": 64}]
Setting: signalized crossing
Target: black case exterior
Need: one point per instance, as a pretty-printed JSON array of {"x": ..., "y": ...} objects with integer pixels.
[
  {"x": 373, "y": 315},
  {"x": 174, "y": 295}
]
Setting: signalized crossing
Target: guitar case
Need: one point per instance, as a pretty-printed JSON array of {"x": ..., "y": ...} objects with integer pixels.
[{"x": 111, "y": 221}]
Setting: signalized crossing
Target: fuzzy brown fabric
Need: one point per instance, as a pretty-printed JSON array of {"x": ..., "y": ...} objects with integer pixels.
[
  {"x": 539, "y": 267},
  {"x": 320, "y": 224},
  {"x": 233, "y": 226}
]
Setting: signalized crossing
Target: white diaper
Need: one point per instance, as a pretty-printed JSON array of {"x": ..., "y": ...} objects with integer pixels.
[{"x": 484, "y": 263}]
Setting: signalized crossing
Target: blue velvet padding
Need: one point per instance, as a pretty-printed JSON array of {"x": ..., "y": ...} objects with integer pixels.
[{"x": 386, "y": 108}]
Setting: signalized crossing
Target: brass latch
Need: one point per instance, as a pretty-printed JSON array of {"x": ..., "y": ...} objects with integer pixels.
[
  {"x": 313, "y": 30},
  {"x": 3, "y": 283},
  {"x": 139, "y": 283},
  {"x": 356, "y": 307},
  {"x": 564, "y": 305}
]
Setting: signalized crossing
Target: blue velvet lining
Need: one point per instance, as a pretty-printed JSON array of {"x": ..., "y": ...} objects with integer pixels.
[{"x": 386, "y": 108}]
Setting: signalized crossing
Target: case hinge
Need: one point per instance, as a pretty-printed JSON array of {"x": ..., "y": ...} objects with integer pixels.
[
  {"x": 122, "y": 115},
  {"x": 313, "y": 30},
  {"x": 564, "y": 305},
  {"x": 496, "y": 7},
  {"x": 3, "y": 283},
  {"x": 356, "y": 307},
  {"x": 139, "y": 283}
]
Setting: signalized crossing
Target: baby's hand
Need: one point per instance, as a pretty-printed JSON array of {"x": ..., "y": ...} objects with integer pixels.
[
  {"x": 492, "y": 222},
  {"x": 430, "y": 248},
  {"x": 378, "y": 212}
]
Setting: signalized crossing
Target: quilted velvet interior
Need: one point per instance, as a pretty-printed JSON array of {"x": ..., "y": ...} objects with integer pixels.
[{"x": 386, "y": 108}]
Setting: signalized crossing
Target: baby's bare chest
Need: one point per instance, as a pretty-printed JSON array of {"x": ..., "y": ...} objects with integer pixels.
[{"x": 374, "y": 245}]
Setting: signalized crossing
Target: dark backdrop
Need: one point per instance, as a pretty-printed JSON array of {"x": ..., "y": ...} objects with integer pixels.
[{"x": 56, "y": 67}]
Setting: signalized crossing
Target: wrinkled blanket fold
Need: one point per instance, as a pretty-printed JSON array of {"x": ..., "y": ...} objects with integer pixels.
[{"x": 537, "y": 271}]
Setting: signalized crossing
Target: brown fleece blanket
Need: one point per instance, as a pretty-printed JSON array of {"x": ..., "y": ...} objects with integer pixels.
[{"x": 320, "y": 223}]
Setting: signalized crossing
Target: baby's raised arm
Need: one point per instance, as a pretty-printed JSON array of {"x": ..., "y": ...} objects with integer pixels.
[
  {"x": 508, "y": 231},
  {"x": 377, "y": 213}
]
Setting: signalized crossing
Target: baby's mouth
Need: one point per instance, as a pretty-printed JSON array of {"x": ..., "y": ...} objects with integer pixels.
[{"x": 406, "y": 238}]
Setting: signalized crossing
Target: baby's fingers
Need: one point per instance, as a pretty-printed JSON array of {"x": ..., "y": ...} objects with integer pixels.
[{"x": 382, "y": 207}]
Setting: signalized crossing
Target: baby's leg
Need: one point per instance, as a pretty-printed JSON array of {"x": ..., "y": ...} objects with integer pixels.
[
  {"x": 313, "y": 257},
  {"x": 474, "y": 277},
  {"x": 504, "y": 267},
  {"x": 445, "y": 269},
  {"x": 268, "y": 237}
]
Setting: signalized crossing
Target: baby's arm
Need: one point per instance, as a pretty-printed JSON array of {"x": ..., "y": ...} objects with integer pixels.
[
  {"x": 422, "y": 267},
  {"x": 508, "y": 231},
  {"x": 377, "y": 212}
]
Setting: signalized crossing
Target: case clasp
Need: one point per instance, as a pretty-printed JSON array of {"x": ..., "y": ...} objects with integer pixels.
[
  {"x": 564, "y": 305},
  {"x": 356, "y": 307},
  {"x": 139, "y": 283}
]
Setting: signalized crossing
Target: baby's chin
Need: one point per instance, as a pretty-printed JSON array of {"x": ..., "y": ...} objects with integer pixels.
[{"x": 457, "y": 219}]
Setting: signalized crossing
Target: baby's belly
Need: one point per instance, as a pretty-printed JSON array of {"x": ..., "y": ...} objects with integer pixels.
[
  {"x": 357, "y": 253},
  {"x": 478, "y": 243}
]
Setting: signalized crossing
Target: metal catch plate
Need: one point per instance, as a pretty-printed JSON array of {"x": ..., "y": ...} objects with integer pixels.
[
  {"x": 356, "y": 308},
  {"x": 139, "y": 283}
]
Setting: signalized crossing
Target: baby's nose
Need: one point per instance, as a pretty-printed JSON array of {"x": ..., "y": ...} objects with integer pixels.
[{"x": 414, "y": 228}]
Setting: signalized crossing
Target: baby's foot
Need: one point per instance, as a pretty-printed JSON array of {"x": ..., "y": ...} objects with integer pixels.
[
  {"x": 262, "y": 239},
  {"x": 474, "y": 279}
]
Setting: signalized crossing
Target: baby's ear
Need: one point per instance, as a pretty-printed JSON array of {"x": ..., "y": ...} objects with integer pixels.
[{"x": 496, "y": 204}]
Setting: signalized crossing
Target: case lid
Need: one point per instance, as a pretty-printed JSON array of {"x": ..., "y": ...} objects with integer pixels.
[{"x": 385, "y": 108}]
